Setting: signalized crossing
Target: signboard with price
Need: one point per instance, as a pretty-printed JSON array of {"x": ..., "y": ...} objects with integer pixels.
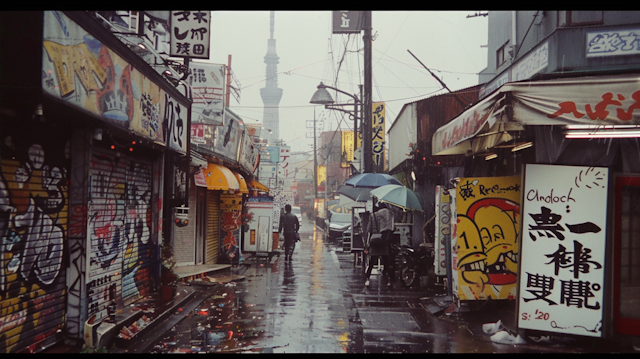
[{"x": 564, "y": 219}]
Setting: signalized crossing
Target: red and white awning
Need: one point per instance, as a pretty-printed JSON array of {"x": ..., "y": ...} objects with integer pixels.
[{"x": 592, "y": 100}]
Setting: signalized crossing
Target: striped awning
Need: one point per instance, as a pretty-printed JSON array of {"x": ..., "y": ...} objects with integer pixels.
[{"x": 220, "y": 178}]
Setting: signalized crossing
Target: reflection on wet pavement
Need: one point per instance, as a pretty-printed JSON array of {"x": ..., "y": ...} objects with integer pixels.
[{"x": 280, "y": 307}]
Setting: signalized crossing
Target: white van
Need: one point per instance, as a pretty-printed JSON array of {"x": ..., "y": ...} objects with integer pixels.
[{"x": 296, "y": 210}]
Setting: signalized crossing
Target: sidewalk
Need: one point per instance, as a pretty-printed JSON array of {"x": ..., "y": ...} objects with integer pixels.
[
  {"x": 488, "y": 318},
  {"x": 153, "y": 316}
]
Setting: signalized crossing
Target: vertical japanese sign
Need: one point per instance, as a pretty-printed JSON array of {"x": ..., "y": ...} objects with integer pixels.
[
  {"x": 190, "y": 32},
  {"x": 347, "y": 148},
  {"x": 345, "y": 22},
  {"x": 322, "y": 176},
  {"x": 378, "y": 134},
  {"x": 488, "y": 221},
  {"x": 208, "y": 88},
  {"x": 285, "y": 153},
  {"x": 453, "y": 242},
  {"x": 442, "y": 229},
  {"x": 564, "y": 237}
]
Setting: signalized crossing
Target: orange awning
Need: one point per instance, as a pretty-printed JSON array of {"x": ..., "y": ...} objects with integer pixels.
[
  {"x": 220, "y": 178},
  {"x": 253, "y": 184},
  {"x": 241, "y": 182}
]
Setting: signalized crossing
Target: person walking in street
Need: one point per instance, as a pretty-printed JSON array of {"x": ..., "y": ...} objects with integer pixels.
[
  {"x": 381, "y": 222},
  {"x": 289, "y": 227}
]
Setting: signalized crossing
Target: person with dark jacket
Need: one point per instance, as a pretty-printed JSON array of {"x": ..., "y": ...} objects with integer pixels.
[
  {"x": 382, "y": 221},
  {"x": 289, "y": 226}
]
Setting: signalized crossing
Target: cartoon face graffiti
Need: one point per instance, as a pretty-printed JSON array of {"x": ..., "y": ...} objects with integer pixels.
[
  {"x": 496, "y": 221},
  {"x": 471, "y": 255}
]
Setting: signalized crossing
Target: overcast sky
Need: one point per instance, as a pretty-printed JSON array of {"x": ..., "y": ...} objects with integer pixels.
[{"x": 449, "y": 43}]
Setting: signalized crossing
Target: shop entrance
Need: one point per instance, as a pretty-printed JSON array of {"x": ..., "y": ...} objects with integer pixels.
[{"x": 627, "y": 256}]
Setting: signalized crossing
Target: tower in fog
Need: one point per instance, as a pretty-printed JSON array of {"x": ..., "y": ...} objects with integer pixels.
[{"x": 271, "y": 94}]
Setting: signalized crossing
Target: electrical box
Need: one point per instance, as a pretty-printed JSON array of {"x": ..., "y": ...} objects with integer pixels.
[{"x": 181, "y": 216}]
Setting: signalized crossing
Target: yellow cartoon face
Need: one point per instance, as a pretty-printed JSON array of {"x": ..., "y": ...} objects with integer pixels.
[
  {"x": 471, "y": 255},
  {"x": 499, "y": 238}
]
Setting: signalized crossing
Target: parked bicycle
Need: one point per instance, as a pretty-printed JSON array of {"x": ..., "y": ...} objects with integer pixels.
[{"x": 414, "y": 263}]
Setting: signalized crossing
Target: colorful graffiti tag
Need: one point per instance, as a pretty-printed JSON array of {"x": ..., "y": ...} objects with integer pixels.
[
  {"x": 487, "y": 238},
  {"x": 231, "y": 207},
  {"x": 33, "y": 225},
  {"x": 119, "y": 227}
]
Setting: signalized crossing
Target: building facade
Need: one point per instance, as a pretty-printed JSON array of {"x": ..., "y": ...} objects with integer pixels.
[{"x": 557, "y": 108}]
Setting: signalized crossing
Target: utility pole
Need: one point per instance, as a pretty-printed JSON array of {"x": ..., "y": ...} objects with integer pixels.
[
  {"x": 367, "y": 131},
  {"x": 228, "y": 82}
]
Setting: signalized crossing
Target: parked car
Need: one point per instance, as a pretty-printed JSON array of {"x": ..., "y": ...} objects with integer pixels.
[
  {"x": 338, "y": 224},
  {"x": 298, "y": 212}
]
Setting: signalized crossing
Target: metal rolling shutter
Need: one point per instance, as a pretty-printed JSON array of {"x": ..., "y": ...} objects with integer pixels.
[
  {"x": 34, "y": 175},
  {"x": 184, "y": 248},
  {"x": 119, "y": 224},
  {"x": 213, "y": 227}
]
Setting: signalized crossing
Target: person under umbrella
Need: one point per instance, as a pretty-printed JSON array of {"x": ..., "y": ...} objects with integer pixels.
[{"x": 382, "y": 222}]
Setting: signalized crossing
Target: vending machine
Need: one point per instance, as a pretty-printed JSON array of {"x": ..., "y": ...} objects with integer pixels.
[{"x": 261, "y": 237}]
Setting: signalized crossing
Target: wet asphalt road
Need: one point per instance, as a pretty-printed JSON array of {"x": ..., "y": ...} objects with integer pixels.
[
  {"x": 280, "y": 307},
  {"x": 317, "y": 303}
]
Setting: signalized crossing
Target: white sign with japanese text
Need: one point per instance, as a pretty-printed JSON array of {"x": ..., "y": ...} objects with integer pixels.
[
  {"x": 208, "y": 88},
  {"x": 190, "y": 32},
  {"x": 564, "y": 216},
  {"x": 610, "y": 43}
]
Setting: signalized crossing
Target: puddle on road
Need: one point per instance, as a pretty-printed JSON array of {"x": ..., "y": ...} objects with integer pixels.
[{"x": 222, "y": 323}]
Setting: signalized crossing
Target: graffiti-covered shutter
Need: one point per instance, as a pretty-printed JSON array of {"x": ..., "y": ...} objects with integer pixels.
[
  {"x": 213, "y": 227},
  {"x": 119, "y": 224},
  {"x": 34, "y": 179}
]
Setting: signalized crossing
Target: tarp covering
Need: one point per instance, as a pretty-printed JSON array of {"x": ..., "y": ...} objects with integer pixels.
[{"x": 591, "y": 100}]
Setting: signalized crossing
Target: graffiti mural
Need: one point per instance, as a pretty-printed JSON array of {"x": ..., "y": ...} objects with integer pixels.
[
  {"x": 231, "y": 208},
  {"x": 33, "y": 227},
  {"x": 487, "y": 237},
  {"x": 119, "y": 227},
  {"x": 79, "y": 69}
]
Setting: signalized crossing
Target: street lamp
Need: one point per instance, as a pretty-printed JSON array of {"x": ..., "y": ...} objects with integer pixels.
[{"x": 323, "y": 97}]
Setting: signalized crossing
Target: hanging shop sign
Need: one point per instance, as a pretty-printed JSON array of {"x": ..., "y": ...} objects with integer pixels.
[
  {"x": 562, "y": 277},
  {"x": 190, "y": 33},
  {"x": 347, "y": 148},
  {"x": 228, "y": 137},
  {"x": 442, "y": 229},
  {"x": 486, "y": 247},
  {"x": 378, "y": 134},
  {"x": 84, "y": 72},
  {"x": 345, "y": 22},
  {"x": 249, "y": 157},
  {"x": 208, "y": 88}
]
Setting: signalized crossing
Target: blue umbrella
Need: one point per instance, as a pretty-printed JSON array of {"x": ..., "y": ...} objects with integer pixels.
[
  {"x": 372, "y": 180},
  {"x": 359, "y": 194},
  {"x": 399, "y": 196}
]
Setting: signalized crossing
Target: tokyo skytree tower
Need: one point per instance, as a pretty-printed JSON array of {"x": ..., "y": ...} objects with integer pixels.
[{"x": 271, "y": 94}]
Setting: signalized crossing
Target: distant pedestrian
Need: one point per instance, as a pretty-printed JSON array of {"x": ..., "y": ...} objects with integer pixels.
[{"x": 289, "y": 227}]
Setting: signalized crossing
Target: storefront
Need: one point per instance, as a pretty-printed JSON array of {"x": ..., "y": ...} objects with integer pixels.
[
  {"x": 572, "y": 142},
  {"x": 88, "y": 131}
]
